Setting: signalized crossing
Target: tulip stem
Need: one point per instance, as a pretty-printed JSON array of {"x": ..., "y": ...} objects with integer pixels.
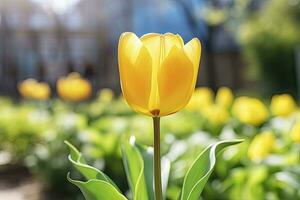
[{"x": 157, "y": 165}]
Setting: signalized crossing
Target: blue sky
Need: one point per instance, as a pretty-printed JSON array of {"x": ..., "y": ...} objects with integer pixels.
[{"x": 164, "y": 16}]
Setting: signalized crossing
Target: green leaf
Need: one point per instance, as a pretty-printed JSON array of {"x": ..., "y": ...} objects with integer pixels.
[
  {"x": 165, "y": 172},
  {"x": 198, "y": 174},
  {"x": 97, "y": 190},
  {"x": 289, "y": 178},
  {"x": 147, "y": 155},
  {"x": 135, "y": 170},
  {"x": 87, "y": 171}
]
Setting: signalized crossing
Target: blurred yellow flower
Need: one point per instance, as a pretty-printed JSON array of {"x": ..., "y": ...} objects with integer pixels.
[
  {"x": 106, "y": 95},
  {"x": 250, "y": 111},
  {"x": 224, "y": 97},
  {"x": 74, "y": 88},
  {"x": 216, "y": 114},
  {"x": 31, "y": 89},
  {"x": 283, "y": 105},
  {"x": 261, "y": 146},
  {"x": 201, "y": 98},
  {"x": 158, "y": 72},
  {"x": 295, "y": 132}
]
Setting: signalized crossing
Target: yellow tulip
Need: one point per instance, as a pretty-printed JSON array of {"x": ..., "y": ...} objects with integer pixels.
[
  {"x": 250, "y": 111},
  {"x": 74, "y": 88},
  {"x": 295, "y": 132},
  {"x": 261, "y": 146},
  {"x": 216, "y": 114},
  {"x": 106, "y": 95},
  {"x": 201, "y": 98},
  {"x": 31, "y": 89},
  {"x": 283, "y": 105},
  {"x": 224, "y": 97},
  {"x": 158, "y": 72},
  {"x": 25, "y": 87}
]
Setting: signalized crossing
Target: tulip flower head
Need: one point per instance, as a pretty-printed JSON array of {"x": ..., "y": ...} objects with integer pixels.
[
  {"x": 283, "y": 105},
  {"x": 216, "y": 114},
  {"x": 158, "y": 72},
  {"x": 31, "y": 89},
  {"x": 261, "y": 146},
  {"x": 74, "y": 88},
  {"x": 201, "y": 99},
  {"x": 224, "y": 97},
  {"x": 250, "y": 111},
  {"x": 106, "y": 95},
  {"x": 295, "y": 132}
]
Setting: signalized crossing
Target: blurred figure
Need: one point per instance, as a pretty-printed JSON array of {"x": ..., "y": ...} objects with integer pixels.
[
  {"x": 70, "y": 67},
  {"x": 41, "y": 70},
  {"x": 88, "y": 71}
]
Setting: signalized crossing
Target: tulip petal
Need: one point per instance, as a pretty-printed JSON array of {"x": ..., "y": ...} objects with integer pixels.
[
  {"x": 193, "y": 50},
  {"x": 159, "y": 46},
  {"x": 175, "y": 82},
  {"x": 135, "y": 66},
  {"x": 170, "y": 40}
]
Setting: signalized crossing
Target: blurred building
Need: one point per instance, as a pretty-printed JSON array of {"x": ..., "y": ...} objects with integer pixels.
[{"x": 45, "y": 39}]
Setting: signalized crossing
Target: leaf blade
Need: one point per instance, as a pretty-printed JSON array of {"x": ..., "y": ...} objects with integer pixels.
[
  {"x": 135, "y": 169},
  {"x": 147, "y": 155},
  {"x": 196, "y": 179},
  {"x": 87, "y": 171},
  {"x": 97, "y": 190}
]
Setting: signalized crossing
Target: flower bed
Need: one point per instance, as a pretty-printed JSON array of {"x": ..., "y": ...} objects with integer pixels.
[{"x": 265, "y": 165}]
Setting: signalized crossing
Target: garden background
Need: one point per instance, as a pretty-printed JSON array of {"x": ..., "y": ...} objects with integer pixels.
[{"x": 248, "y": 87}]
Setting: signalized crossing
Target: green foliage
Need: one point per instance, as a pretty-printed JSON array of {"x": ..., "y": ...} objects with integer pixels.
[
  {"x": 96, "y": 189},
  {"x": 197, "y": 176},
  {"x": 39, "y": 146},
  {"x": 19, "y": 130},
  {"x": 138, "y": 163},
  {"x": 135, "y": 170},
  {"x": 98, "y": 185},
  {"x": 87, "y": 171},
  {"x": 270, "y": 39}
]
